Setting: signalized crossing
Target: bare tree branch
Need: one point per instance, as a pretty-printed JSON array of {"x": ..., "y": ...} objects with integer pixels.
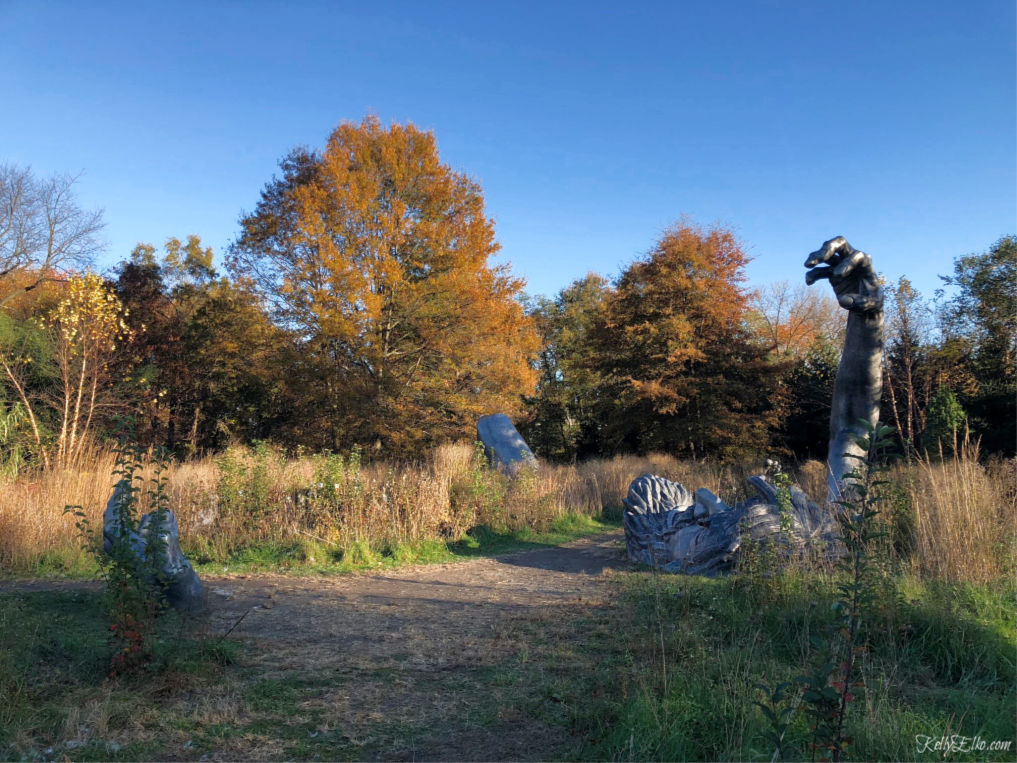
[{"x": 44, "y": 234}]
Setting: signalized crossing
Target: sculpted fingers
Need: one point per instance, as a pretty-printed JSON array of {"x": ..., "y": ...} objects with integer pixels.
[
  {"x": 850, "y": 272},
  {"x": 829, "y": 251},
  {"x": 855, "y": 261},
  {"x": 815, "y": 274}
]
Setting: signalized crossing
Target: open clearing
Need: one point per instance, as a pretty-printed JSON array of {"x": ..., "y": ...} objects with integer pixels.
[{"x": 487, "y": 659}]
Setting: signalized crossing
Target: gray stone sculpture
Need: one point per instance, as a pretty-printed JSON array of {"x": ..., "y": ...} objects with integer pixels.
[
  {"x": 859, "y": 382},
  {"x": 505, "y": 447},
  {"x": 181, "y": 585},
  {"x": 671, "y": 529}
]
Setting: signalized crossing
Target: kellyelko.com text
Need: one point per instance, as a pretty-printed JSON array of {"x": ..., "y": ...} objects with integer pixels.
[{"x": 958, "y": 743}]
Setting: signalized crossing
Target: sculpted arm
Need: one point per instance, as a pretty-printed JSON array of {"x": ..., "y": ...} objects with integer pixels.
[{"x": 858, "y": 386}]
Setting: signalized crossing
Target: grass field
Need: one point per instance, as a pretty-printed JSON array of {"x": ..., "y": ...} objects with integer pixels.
[
  {"x": 941, "y": 662},
  {"x": 666, "y": 671},
  {"x": 666, "y": 668}
]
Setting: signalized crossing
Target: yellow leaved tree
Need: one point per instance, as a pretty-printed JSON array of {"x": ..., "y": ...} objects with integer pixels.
[
  {"x": 58, "y": 366},
  {"x": 89, "y": 324}
]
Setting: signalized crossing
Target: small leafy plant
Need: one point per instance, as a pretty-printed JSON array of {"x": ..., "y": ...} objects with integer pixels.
[
  {"x": 828, "y": 691},
  {"x": 130, "y": 555}
]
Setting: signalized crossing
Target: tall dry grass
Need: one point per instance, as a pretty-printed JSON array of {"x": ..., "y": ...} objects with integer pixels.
[
  {"x": 32, "y": 523},
  {"x": 250, "y": 497},
  {"x": 960, "y": 512},
  {"x": 963, "y": 514}
]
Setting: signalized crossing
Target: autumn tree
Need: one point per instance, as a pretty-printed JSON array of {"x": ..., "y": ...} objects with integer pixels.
[
  {"x": 204, "y": 359},
  {"x": 27, "y": 364},
  {"x": 790, "y": 319},
  {"x": 681, "y": 370},
  {"x": 59, "y": 364},
  {"x": 29, "y": 378},
  {"x": 803, "y": 329},
  {"x": 89, "y": 325},
  {"x": 377, "y": 257}
]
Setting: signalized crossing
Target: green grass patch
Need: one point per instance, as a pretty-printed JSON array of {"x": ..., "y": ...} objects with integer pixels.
[
  {"x": 939, "y": 660},
  {"x": 54, "y": 691},
  {"x": 315, "y": 557},
  {"x": 70, "y": 563},
  {"x": 484, "y": 541}
]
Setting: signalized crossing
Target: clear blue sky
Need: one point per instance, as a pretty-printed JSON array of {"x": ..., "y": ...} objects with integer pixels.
[{"x": 590, "y": 125}]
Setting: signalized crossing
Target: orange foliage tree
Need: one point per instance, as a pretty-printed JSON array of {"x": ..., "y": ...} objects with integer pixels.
[
  {"x": 682, "y": 369},
  {"x": 376, "y": 256},
  {"x": 792, "y": 319}
]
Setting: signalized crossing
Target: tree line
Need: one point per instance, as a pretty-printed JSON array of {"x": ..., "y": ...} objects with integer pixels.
[{"x": 360, "y": 308}]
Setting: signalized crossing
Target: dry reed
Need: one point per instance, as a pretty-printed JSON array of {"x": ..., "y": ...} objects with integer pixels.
[{"x": 248, "y": 497}]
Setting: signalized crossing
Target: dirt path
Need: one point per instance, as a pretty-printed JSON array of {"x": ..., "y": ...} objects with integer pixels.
[
  {"x": 486, "y": 659},
  {"x": 430, "y": 662}
]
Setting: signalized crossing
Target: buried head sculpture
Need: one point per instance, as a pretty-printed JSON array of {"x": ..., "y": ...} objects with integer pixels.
[{"x": 671, "y": 529}]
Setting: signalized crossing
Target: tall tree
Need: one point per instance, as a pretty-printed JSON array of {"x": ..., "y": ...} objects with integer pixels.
[
  {"x": 59, "y": 363},
  {"x": 804, "y": 401},
  {"x": 682, "y": 370},
  {"x": 983, "y": 316},
  {"x": 803, "y": 329},
  {"x": 906, "y": 371},
  {"x": 376, "y": 255},
  {"x": 205, "y": 359},
  {"x": 30, "y": 378},
  {"x": 562, "y": 423},
  {"x": 90, "y": 327},
  {"x": 985, "y": 305},
  {"x": 791, "y": 319}
]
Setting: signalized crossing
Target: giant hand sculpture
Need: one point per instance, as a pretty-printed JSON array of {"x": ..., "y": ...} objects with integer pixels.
[
  {"x": 669, "y": 528},
  {"x": 859, "y": 382}
]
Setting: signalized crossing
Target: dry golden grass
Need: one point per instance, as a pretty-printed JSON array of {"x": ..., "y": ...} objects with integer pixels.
[
  {"x": 962, "y": 512},
  {"x": 248, "y": 497},
  {"x": 32, "y": 522},
  {"x": 811, "y": 477},
  {"x": 964, "y": 515}
]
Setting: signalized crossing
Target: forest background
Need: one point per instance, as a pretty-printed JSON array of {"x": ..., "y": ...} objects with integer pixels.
[{"x": 360, "y": 309}]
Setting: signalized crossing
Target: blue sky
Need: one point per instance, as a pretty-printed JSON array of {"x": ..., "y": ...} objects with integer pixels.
[{"x": 590, "y": 126}]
